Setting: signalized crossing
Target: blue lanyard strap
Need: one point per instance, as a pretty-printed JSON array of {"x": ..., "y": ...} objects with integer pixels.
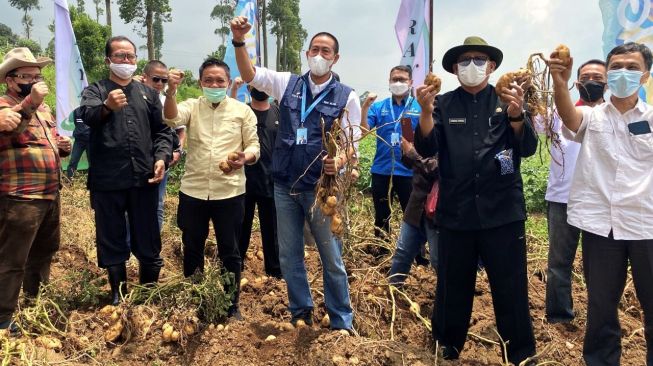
[
  {"x": 306, "y": 112},
  {"x": 392, "y": 110}
]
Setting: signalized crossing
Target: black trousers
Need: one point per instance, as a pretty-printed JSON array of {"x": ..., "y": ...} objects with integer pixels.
[
  {"x": 605, "y": 265},
  {"x": 267, "y": 217},
  {"x": 503, "y": 251},
  {"x": 193, "y": 217},
  {"x": 381, "y": 193},
  {"x": 140, "y": 204}
]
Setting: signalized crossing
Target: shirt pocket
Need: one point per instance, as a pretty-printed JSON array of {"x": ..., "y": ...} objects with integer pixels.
[
  {"x": 642, "y": 146},
  {"x": 601, "y": 135}
]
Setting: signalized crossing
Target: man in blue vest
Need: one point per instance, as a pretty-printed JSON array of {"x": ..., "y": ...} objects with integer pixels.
[{"x": 297, "y": 162}]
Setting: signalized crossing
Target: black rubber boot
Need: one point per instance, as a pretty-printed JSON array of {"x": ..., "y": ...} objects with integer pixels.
[
  {"x": 117, "y": 281},
  {"x": 148, "y": 274},
  {"x": 234, "y": 310}
]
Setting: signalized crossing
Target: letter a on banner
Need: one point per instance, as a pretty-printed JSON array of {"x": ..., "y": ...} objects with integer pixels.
[{"x": 412, "y": 29}]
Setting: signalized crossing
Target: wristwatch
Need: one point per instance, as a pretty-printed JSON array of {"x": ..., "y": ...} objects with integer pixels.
[
  {"x": 519, "y": 118},
  {"x": 237, "y": 43}
]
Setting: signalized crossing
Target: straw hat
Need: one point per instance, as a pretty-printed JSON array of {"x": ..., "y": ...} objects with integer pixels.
[{"x": 20, "y": 57}]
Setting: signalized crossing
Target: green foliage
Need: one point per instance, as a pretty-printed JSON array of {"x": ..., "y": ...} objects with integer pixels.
[
  {"x": 32, "y": 45},
  {"x": 287, "y": 27},
  {"x": 535, "y": 173},
  {"x": 75, "y": 290},
  {"x": 26, "y": 6},
  {"x": 48, "y": 73},
  {"x": 366, "y": 151},
  {"x": 223, "y": 12},
  {"x": 91, "y": 38}
]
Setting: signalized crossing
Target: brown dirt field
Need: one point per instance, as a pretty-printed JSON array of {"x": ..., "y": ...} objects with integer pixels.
[{"x": 378, "y": 340}]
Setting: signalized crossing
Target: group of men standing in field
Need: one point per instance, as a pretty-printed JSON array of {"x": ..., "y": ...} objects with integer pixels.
[{"x": 237, "y": 156}]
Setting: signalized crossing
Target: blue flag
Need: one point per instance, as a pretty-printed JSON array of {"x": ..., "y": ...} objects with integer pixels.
[{"x": 246, "y": 8}]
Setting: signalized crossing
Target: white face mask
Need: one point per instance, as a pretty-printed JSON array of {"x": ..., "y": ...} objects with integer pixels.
[
  {"x": 398, "y": 88},
  {"x": 123, "y": 71},
  {"x": 319, "y": 66},
  {"x": 472, "y": 75}
]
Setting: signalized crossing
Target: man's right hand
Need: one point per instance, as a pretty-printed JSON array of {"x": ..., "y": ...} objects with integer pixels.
[
  {"x": 239, "y": 28},
  {"x": 560, "y": 73},
  {"x": 116, "y": 100},
  {"x": 371, "y": 97},
  {"x": 9, "y": 119},
  {"x": 175, "y": 77},
  {"x": 38, "y": 93},
  {"x": 426, "y": 98}
]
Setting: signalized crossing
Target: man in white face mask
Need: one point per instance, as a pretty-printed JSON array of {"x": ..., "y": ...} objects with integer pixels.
[
  {"x": 481, "y": 212},
  {"x": 386, "y": 116},
  {"x": 610, "y": 198},
  {"x": 130, "y": 148},
  {"x": 307, "y": 103}
]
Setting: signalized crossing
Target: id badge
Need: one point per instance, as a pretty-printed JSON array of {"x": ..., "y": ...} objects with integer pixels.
[
  {"x": 302, "y": 134},
  {"x": 395, "y": 139}
]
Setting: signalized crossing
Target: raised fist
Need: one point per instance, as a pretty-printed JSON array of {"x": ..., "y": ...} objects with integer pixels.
[
  {"x": 116, "y": 100},
  {"x": 38, "y": 93},
  {"x": 239, "y": 28}
]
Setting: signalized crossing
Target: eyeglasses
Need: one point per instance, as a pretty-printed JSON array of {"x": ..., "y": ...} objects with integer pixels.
[
  {"x": 124, "y": 56},
  {"x": 28, "y": 77},
  {"x": 478, "y": 60},
  {"x": 157, "y": 79}
]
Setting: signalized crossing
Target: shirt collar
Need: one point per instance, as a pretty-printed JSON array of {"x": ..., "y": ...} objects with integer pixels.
[
  {"x": 640, "y": 106},
  {"x": 317, "y": 88}
]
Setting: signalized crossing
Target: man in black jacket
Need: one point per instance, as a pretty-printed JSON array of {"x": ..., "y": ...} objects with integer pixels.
[
  {"x": 130, "y": 148},
  {"x": 481, "y": 210}
]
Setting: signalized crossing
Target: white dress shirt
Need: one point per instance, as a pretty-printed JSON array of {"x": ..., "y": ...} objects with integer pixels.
[
  {"x": 612, "y": 188},
  {"x": 561, "y": 168},
  {"x": 274, "y": 83}
]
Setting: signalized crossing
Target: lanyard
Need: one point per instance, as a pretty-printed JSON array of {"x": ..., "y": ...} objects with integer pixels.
[
  {"x": 392, "y": 110},
  {"x": 306, "y": 112}
]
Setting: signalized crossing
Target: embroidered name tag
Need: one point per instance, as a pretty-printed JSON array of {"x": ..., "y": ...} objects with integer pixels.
[
  {"x": 333, "y": 104},
  {"x": 457, "y": 121}
]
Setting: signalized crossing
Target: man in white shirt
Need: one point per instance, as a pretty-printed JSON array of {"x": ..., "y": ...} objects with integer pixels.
[
  {"x": 563, "y": 238},
  {"x": 611, "y": 198},
  {"x": 308, "y": 103}
]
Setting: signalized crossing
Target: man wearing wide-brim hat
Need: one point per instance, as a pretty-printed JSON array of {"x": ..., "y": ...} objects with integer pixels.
[
  {"x": 30, "y": 151},
  {"x": 481, "y": 210}
]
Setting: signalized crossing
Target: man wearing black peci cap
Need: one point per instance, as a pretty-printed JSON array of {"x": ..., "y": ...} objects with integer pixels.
[{"x": 481, "y": 210}]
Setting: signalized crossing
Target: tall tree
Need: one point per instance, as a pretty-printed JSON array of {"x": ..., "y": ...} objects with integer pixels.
[
  {"x": 26, "y": 6},
  {"x": 223, "y": 11},
  {"x": 81, "y": 6},
  {"x": 98, "y": 10},
  {"x": 287, "y": 27},
  {"x": 142, "y": 12},
  {"x": 107, "y": 7},
  {"x": 158, "y": 35}
]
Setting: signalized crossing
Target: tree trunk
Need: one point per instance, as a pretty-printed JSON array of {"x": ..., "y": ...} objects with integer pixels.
[
  {"x": 26, "y": 21},
  {"x": 107, "y": 6},
  {"x": 264, "y": 27},
  {"x": 149, "y": 21},
  {"x": 279, "y": 35}
]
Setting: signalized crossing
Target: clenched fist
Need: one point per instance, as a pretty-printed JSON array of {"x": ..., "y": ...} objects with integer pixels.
[
  {"x": 371, "y": 97},
  {"x": 175, "y": 77},
  {"x": 239, "y": 28},
  {"x": 38, "y": 93},
  {"x": 116, "y": 100},
  {"x": 9, "y": 119},
  {"x": 63, "y": 143}
]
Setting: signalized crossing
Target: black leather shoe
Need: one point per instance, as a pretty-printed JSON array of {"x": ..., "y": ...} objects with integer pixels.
[
  {"x": 118, "y": 282},
  {"x": 306, "y": 315},
  {"x": 234, "y": 313},
  {"x": 449, "y": 353}
]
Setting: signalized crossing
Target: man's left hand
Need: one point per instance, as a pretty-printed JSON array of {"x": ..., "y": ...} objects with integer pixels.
[
  {"x": 159, "y": 171},
  {"x": 63, "y": 144},
  {"x": 515, "y": 98},
  {"x": 176, "y": 156},
  {"x": 237, "y": 163},
  {"x": 331, "y": 165}
]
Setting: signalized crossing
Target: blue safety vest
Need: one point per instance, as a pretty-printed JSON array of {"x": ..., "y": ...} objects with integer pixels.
[{"x": 299, "y": 166}]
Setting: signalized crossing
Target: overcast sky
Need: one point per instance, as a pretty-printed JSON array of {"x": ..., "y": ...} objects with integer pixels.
[{"x": 365, "y": 29}]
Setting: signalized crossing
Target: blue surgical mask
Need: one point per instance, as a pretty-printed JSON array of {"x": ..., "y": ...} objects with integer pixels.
[
  {"x": 624, "y": 83},
  {"x": 214, "y": 95}
]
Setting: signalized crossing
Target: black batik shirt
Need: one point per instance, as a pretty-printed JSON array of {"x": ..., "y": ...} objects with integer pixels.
[
  {"x": 124, "y": 145},
  {"x": 259, "y": 175},
  {"x": 474, "y": 140}
]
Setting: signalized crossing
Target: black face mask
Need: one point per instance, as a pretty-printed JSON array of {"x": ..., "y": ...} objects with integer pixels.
[
  {"x": 591, "y": 91},
  {"x": 25, "y": 89},
  {"x": 258, "y": 95}
]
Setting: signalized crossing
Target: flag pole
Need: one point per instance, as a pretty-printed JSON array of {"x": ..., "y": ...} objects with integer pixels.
[{"x": 431, "y": 36}]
